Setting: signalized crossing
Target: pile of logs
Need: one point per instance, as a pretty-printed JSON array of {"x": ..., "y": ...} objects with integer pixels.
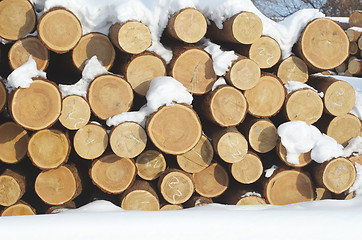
[{"x": 58, "y": 153}]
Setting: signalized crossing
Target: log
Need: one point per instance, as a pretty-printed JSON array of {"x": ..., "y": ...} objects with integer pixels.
[
  {"x": 193, "y": 67},
  {"x": 60, "y": 208},
  {"x": 75, "y": 112},
  {"x": 3, "y": 96},
  {"x": 198, "y": 158},
  {"x": 341, "y": 68},
  {"x": 141, "y": 69},
  {"x": 243, "y": 196},
  {"x": 289, "y": 186},
  {"x": 339, "y": 96},
  {"x": 197, "y": 201},
  {"x": 93, "y": 44},
  {"x": 225, "y": 106},
  {"x": 174, "y": 129},
  {"x": 128, "y": 139},
  {"x": 248, "y": 170},
  {"x": 344, "y": 128},
  {"x": 113, "y": 174},
  {"x": 131, "y": 37},
  {"x": 109, "y": 95},
  {"x": 304, "y": 158},
  {"x": 90, "y": 141},
  {"x": 14, "y": 143},
  {"x": 176, "y": 186},
  {"x": 188, "y": 25},
  {"x": 355, "y": 67},
  {"x": 266, "y": 98},
  {"x": 141, "y": 196},
  {"x": 243, "y": 27},
  {"x": 353, "y": 34},
  {"x": 168, "y": 207},
  {"x": 355, "y": 19},
  {"x": 18, "y": 209},
  {"x": 323, "y": 45},
  {"x": 230, "y": 144},
  {"x": 49, "y": 148},
  {"x": 212, "y": 181},
  {"x": 17, "y": 18},
  {"x": 243, "y": 74},
  {"x": 60, "y": 30},
  {"x": 150, "y": 164},
  {"x": 37, "y": 107},
  {"x": 303, "y": 105},
  {"x": 293, "y": 69},
  {"x": 13, "y": 187},
  {"x": 322, "y": 193},
  {"x": 353, "y": 48},
  {"x": 21, "y": 50},
  {"x": 336, "y": 175},
  {"x": 360, "y": 43},
  {"x": 58, "y": 186}
]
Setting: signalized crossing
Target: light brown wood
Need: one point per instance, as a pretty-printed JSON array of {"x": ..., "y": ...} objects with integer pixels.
[
  {"x": 75, "y": 112},
  {"x": 251, "y": 200},
  {"x": 243, "y": 27},
  {"x": 130, "y": 37},
  {"x": 193, "y": 67},
  {"x": 322, "y": 193},
  {"x": 360, "y": 43},
  {"x": 336, "y": 175},
  {"x": 339, "y": 96},
  {"x": 293, "y": 69},
  {"x": 198, "y": 158},
  {"x": 230, "y": 144},
  {"x": 353, "y": 34},
  {"x": 168, "y": 207},
  {"x": 303, "y": 105},
  {"x": 304, "y": 158},
  {"x": 150, "y": 164},
  {"x": 289, "y": 186},
  {"x": 60, "y": 208},
  {"x": 248, "y": 170},
  {"x": 58, "y": 186},
  {"x": 13, "y": 143},
  {"x": 90, "y": 141},
  {"x": 353, "y": 48},
  {"x": 243, "y": 74},
  {"x": 113, "y": 174},
  {"x": 341, "y": 68},
  {"x": 176, "y": 186},
  {"x": 266, "y": 98},
  {"x": 197, "y": 201},
  {"x": 355, "y": 67},
  {"x": 212, "y": 181},
  {"x": 174, "y": 129},
  {"x": 19, "y": 209},
  {"x": 349, "y": 196},
  {"x": 109, "y": 95},
  {"x": 355, "y": 19},
  {"x": 21, "y": 50},
  {"x": 37, "y": 107},
  {"x": 3, "y": 96},
  {"x": 356, "y": 159},
  {"x": 323, "y": 45},
  {"x": 128, "y": 139},
  {"x": 60, "y": 30},
  {"x": 265, "y": 52},
  {"x": 93, "y": 44},
  {"x": 188, "y": 25},
  {"x": 243, "y": 195},
  {"x": 225, "y": 106},
  {"x": 141, "y": 196},
  {"x": 12, "y": 187},
  {"x": 48, "y": 148},
  {"x": 17, "y": 18},
  {"x": 344, "y": 128}
]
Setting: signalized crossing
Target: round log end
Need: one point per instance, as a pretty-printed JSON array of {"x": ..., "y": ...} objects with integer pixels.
[
  {"x": 176, "y": 187},
  {"x": 232, "y": 147},
  {"x": 14, "y": 143},
  {"x": 18, "y": 209},
  {"x": 10, "y": 191},
  {"x": 263, "y": 136},
  {"x": 150, "y": 165},
  {"x": 355, "y": 66},
  {"x": 248, "y": 170},
  {"x": 304, "y": 158},
  {"x": 140, "y": 200},
  {"x": 247, "y": 27},
  {"x": 75, "y": 112},
  {"x": 3, "y": 96},
  {"x": 168, "y": 207},
  {"x": 244, "y": 74},
  {"x": 355, "y": 19},
  {"x": 344, "y": 128},
  {"x": 251, "y": 200},
  {"x": 339, "y": 98},
  {"x": 322, "y": 193},
  {"x": 293, "y": 69},
  {"x": 265, "y": 52}
]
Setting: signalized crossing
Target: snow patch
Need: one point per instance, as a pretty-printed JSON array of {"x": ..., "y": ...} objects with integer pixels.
[
  {"x": 219, "y": 82},
  {"x": 248, "y": 194},
  {"x": 269, "y": 172},
  {"x": 357, "y": 186}
]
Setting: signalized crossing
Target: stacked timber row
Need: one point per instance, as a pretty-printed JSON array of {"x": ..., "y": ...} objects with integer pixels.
[{"x": 58, "y": 152}]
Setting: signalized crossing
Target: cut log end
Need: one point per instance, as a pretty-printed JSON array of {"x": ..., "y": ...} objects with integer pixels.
[
  {"x": 355, "y": 67},
  {"x": 322, "y": 193},
  {"x": 251, "y": 200},
  {"x": 141, "y": 196},
  {"x": 150, "y": 164},
  {"x": 244, "y": 74},
  {"x": 304, "y": 158},
  {"x": 3, "y": 96},
  {"x": 248, "y": 170},
  {"x": 355, "y": 19},
  {"x": 12, "y": 189},
  {"x": 93, "y": 44},
  {"x": 247, "y": 27},
  {"x": 344, "y": 128},
  {"x": 75, "y": 112},
  {"x": 262, "y": 136},
  {"x": 18, "y": 209},
  {"x": 60, "y": 30},
  {"x": 265, "y": 52},
  {"x": 14, "y": 143},
  {"x": 176, "y": 187},
  {"x": 128, "y": 139},
  {"x": 169, "y": 207},
  {"x": 293, "y": 69}
]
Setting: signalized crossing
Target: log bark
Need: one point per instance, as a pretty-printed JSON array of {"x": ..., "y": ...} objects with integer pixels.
[
  {"x": 75, "y": 112},
  {"x": 93, "y": 44},
  {"x": 109, "y": 95},
  {"x": 197, "y": 201},
  {"x": 19, "y": 209},
  {"x": 150, "y": 164},
  {"x": 13, "y": 187},
  {"x": 188, "y": 25},
  {"x": 3, "y": 96},
  {"x": 266, "y": 98},
  {"x": 353, "y": 34},
  {"x": 312, "y": 47},
  {"x": 248, "y": 170},
  {"x": 60, "y": 30},
  {"x": 37, "y": 107},
  {"x": 49, "y": 148},
  {"x": 355, "y": 19},
  {"x": 174, "y": 129},
  {"x": 193, "y": 67},
  {"x": 344, "y": 128},
  {"x": 17, "y": 18},
  {"x": 353, "y": 48},
  {"x": 21, "y": 50},
  {"x": 131, "y": 37},
  {"x": 141, "y": 196},
  {"x": 243, "y": 27},
  {"x": 14, "y": 143},
  {"x": 198, "y": 158},
  {"x": 304, "y": 158},
  {"x": 113, "y": 174},
  {"x": 355, "y": 67},
  {"x": 90, "y": 141},
  {"x": 293, "y": 69}
]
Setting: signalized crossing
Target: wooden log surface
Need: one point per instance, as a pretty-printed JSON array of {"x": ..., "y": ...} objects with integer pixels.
[
  {"x": 293, "y": 69},
  {"x": 168, "y": 207},
  {"x": 248, "y": 170},
  {"x": 3, "y": 96},
  {"x": 150, "y": 164},
  {"x": 355, "y": 67},
  {"x": 304, "y": 158},
  {"x": 59, "y": 208},
  {"x": 344, "y": 128},
  {"x": 355, "y": 19},
  {"x": 13, "y": 186},
  {"x": 353, "y": 48},
  {"x": 243, "y": 195},
  {"x": 18, "y": 209},
  {"x": 197, "y": 201},
  {"x": 75, "y": 112},
  {"x": 14, "y": 142},
  {"x": 353, "y": 34}
]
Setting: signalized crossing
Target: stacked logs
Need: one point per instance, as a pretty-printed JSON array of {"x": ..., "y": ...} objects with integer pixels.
[{"x": 58, "y": 153}]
